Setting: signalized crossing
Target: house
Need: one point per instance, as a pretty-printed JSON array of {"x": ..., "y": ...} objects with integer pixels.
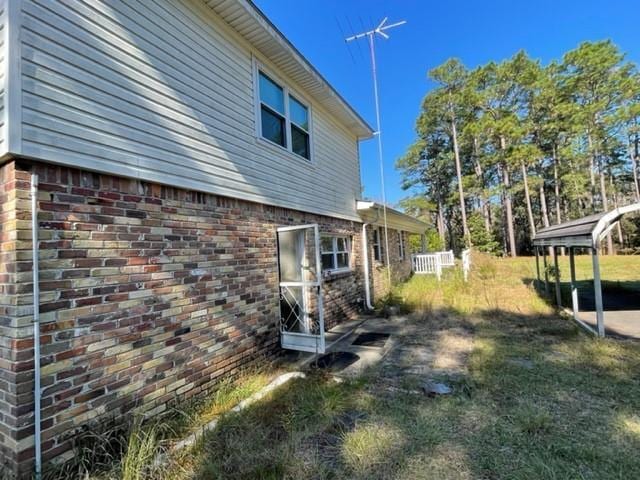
[{"x": 197, "y": 203}]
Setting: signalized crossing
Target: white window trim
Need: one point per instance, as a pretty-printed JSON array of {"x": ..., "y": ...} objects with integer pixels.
[
  {"x": 257, "y": 67},
  {"x": 378, "y": 246},
  {"x": 334, "y": 247}
]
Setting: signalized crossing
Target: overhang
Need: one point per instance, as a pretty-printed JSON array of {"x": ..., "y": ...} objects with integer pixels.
[
  {"x": 584, "y": 232},
  {"x": 249, "y": 21},
  {"x": 373, "y": 213}
]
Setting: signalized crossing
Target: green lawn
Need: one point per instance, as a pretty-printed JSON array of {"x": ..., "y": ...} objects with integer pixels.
[
  {"x": 619, "y": 274},
  {"x": 622, "y": 269},
  {"x": 534, "y": 397}
]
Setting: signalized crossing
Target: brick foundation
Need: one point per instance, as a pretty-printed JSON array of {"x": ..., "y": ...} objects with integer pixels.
[
  {"x": 149, "y": 295},
  {"x": 16, "y": 347}
]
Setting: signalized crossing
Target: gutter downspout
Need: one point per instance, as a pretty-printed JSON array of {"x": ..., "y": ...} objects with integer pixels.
[
  {"x": 365, "y": 254},
  {"x": 36, "y": 325}
]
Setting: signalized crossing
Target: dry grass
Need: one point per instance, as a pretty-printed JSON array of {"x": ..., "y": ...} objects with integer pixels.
[
  {"x": 494, "y": 284},
  {"x": 122, "y": 453},
  {"x": 370, "y": 446},
  {"x": 534, "y": 397}
]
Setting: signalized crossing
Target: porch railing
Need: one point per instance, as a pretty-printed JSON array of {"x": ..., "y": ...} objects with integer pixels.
[
  {"x": 433, "y": 263},
  {"x": 446, "y": 258},
  {"x": 427, "y": 263},
  {"x": 466, "y": 263}
]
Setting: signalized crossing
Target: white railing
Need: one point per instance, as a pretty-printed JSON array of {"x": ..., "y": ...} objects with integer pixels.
[
  {"x": 427, "y": 263},
  {"x": 433, "y": 263},
  {"x": 446, "y": 258},
  {"x": 466, "y": 263}
]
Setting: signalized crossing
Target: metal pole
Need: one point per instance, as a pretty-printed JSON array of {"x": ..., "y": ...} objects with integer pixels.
[
  {"x": 374, "y": 72},
  {"x": 537, "y": 266},
  {"x": 546, "y": 272},
  {"x": 574, "y": 286},
  {"x": 557, "y": 274},
  {"x": 597, "y": 287},
  {"x": 36, "y": 326}
]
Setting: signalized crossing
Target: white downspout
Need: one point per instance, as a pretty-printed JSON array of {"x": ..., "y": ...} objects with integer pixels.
[
  {"x": 36, "y": 324},
  {"x": 365, "y": 255}
]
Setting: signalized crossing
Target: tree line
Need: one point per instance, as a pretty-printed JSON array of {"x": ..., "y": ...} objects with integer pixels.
[{"x": 507, "y": 148}]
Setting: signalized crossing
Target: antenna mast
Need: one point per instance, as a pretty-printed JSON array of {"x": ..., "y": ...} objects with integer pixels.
[{"x": 379, "y": 30}]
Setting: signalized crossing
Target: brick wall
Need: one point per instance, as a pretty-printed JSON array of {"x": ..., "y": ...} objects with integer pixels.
[
  {"x": 400, "y": 267},
  {"x": 16, "y": 377},
  {"x": 149, "y": 294}
]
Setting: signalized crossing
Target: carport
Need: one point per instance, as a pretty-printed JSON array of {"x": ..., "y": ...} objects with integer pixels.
[{"x": 584, "y": 233}]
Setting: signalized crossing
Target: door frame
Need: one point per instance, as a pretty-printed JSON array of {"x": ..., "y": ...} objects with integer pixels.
[{"x": 303, "y": 341}]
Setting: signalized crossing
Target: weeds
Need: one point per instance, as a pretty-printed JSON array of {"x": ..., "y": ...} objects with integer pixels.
[
  {"x": 533, "y": 398},
  {"x": 368, "y": 447},
  {"x": 142, "y": 448}
]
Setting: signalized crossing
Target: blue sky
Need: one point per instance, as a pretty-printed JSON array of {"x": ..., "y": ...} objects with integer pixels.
[{"x": 474, "y": 31}]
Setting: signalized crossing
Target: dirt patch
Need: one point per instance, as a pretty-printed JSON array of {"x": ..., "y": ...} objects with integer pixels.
[{"x": 427, "y": 353}]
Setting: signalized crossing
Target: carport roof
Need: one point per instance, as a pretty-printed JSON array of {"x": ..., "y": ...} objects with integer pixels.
[{"x": 584, "y": 232}]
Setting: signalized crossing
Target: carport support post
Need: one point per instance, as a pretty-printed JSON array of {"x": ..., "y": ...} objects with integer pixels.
[
  {"x": 597, "y": 287},
  {"x": 546, "y": 272},
  {"x": 557, "y": 275},
  {"x": 538, "y": 266},
  {"x": 574, "y": 287}
]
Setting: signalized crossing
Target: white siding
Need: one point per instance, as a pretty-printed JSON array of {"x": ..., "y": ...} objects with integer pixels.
[
  {"x": 162, "y": 90},
  {"x": 3, "y": 74}
]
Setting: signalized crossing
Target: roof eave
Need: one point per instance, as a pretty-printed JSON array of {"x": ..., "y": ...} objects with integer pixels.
[
  {"x": 251, "y": 23},
  {"x": 395, "y": 218}
]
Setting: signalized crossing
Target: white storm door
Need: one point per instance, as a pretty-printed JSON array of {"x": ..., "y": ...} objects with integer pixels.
[{"x": 300, "y": 285}]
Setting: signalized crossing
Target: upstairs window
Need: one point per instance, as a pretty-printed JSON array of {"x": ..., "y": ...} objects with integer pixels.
[
  {"x": 335, "y": 253},
  {"x": 272, "y": 112},
  {"x": 299, "y": 128},
  {"x": 284, "y": 119}
]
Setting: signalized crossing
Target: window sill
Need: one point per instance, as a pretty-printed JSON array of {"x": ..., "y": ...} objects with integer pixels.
[{"x": 329, "y": 275}]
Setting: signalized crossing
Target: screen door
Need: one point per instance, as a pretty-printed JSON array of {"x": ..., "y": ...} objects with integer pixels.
[{"x": 301, "y": 314}]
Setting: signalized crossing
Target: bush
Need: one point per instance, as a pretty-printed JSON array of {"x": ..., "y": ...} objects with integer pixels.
[
  {"x": 434, "y": 242},
  {"x": 481, "y": 239}
]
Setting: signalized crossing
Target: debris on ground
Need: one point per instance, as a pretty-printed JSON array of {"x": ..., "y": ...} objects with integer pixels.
[{"x": 434, "y": 389}]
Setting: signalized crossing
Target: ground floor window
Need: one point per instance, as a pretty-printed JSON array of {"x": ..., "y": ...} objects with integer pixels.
[
  {"x": 378, "y": 251},
  {"x": 335, "y": 252},
  {"x": 401, "y": 244}
]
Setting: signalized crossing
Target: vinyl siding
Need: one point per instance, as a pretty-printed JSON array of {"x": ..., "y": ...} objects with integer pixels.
[
  {"x": 3, "y": 74},
  {"x": 162, "y": 90}
]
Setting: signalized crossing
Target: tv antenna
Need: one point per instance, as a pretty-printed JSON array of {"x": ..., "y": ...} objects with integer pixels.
[{"x": 370, "y": 35}]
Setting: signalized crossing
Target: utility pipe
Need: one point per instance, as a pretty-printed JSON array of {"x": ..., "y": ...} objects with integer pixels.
[
  {"x": 365, "y": 256},
  {"x": 36, "y": 325}
]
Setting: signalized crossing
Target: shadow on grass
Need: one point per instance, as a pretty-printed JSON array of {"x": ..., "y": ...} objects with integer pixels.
[
  {"x": 616, "y": 295},
  {"x": 540, "y": 400}
]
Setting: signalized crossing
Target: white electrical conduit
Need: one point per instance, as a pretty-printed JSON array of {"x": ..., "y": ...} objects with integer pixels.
[
  {"x": 365, "y": 257},
  {"x": 36, "y": 324}
]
